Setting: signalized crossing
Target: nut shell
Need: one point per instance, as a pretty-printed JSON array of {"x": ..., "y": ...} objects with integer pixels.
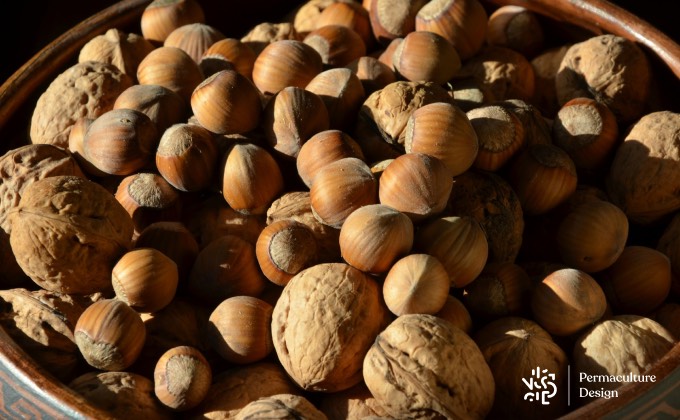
[
  {"x": 285, "y": 63},
  {"x": 182, "y": 378}
]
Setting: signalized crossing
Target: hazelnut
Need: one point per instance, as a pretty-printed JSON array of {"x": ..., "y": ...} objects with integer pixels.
[
  {"x": 323, "y": 148},
  {"x": 236, "y": 52},
  {"x": 265, "y": 33},
  {"x": 193, "y": 38},
  {"x": 239, "y": 329},
  {"x": 350, "y": 14},
  {"x": 374, "y": 236},
  {"x": 426, "y": 57},
  {"x": 171, "y": 68},
  {"x": 174, "y": 240},
  {"x": 145, "y": 279},
  {"x": 342, "y": 93},
  {"x": 182, "y": 378},
  {"x": 284, "y": 248},
  {"x": 455, "y": 312},
  {"x": 123, "y": 50},
  {"x": 285, "y": 63},
  {"x": 161, "y": 17},
  {"x": 501, "y": 289},
  {"x": 416, "y": 284},
  {"x": 110, "y": 335},
  {"x": 516, "y": 28},
  {"x": 546, "y": 65},
  {"x": 390, "y": 20},
  {"x": 336, "y": 44},
  {"x": 373, "y": 74},
  {"x": 500, "y": 135},
  {"x": 163, "y": 106}
]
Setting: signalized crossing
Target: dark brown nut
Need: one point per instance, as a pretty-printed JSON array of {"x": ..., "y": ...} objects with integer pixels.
[
  {"x": 340, "y": 188},
  {"x": 163, "y": 106},
  {"x": 567, "y": 301},
  {"x": 226, "y": 267},
  {"x": 491, "y": 201},
  {"x": 513, "y": 347},
  {"x": 148, "y": 198},
  {"x": 353, "y": 403},
  {"x": 24, "y": 165},
  {"x": 417, "y": 185},
  {"x": 350, "y": 14},
  {"x": 175, "y": 241},
  {"x": 237, "y": 387},
  {"x": 390, "y": 108},
  {"x": 385, "y": 56},
  {"x": 171, "y": 68},
  {"x": 500, "y": 290},
  {"x": 342, "y": 93},
  {"x": 227, "y": 103},
  {"x": 390, "y": 20},
  {"x": 639, "y": 281},
  {"x": 42, "y": 328},
  {"x": 280, "y": 407},
  {"x": 336, "y": 44},
  {"x": 462, "y": 22},
  {"x": 285, "y": 63},
  {"x": 240, "y": 55},
  {"x": 322, "y": 344},
  {"x": 211, "y": 217},
  {"x": 668, "y": 315},
  {"x": 134, "y": 395},
  {"x": 623, "y": 345},
  {"x": 297, "y": 205},
  {"x": 609, "y": 69},
  {"x": 250, "y": 178},
  {"x": 187, "y": 157},
  {"x": 373, "y": 74},
  {"x": 110, "y": 335},
  {"x": 506, "y": 73},
  {"x": 426, "y": 57},
  {"x": 239, "y": 329},
  {"x": 644, "y": 177},
  {"x": 323, "y": 148},
  {"x": 291, "y": 117},
  {"x": 546, "y": 66},
  {"x": 500, "y": 135},
  {"x": 120, "y": 142},
  {"x": 284, "y": 248},
  {"x": 123, "y": 50},
  {"x": 456, "y": 313},
  {"x": 211, "y": 64},
  {"x": 182, "y": 378},
  {"x": 669, "y": 244},
  {"x": 543, "y": 176},
  {"x": 263, "y": 34},
  {"x": 517, "y": 28},
  {"x": 537, "y": 129},
  {"x": 194, "y": 39},
  {"x": 422, "y": 366},
  {"x": 84, "y": 90},
  {"x": 161, "y": 17},
  {"x": 68, "y": 233}
]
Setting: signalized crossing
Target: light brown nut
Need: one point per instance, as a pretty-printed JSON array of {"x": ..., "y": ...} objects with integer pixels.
[
  {"x": 281, "y": 407},
  {"x": 86, "y": 89},
  {"x": 123, "y": 50},
  {"x": 68, "y": 233},
  {"x": 422, "y": 367},
  {"x": 324, "y": 322}
]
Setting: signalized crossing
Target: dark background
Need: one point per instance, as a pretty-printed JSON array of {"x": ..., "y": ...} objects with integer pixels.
[{"x": 33, "y": 24}]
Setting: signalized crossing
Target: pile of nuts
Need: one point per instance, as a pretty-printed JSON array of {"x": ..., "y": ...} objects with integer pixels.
[{"x": 387, "y": 209}]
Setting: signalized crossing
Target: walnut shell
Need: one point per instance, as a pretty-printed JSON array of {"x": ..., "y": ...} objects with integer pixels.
[
  {"x": 280, "y": 406},
  {"x": 24, "y": 165},
  {"x": 422, "y": 367},
  {"x": 86, "y": 89},
  {"x": 68, "y": 233},
  {"x": 323, "y": 324},
  {"x": 354, "y": 403}
]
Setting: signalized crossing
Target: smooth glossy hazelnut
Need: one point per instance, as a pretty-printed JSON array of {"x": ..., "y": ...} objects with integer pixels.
[
  {"x": 175, "y": 241},
  {"x": 342, "y": 93},
  {"x": 456, "y": 313},
  {"x": 163, "y": 106},
  {"x": 285, "y": 63},
  {"x": 284, "y": 248},
  {"x": 182, "y": 378},
  {"x": 337, "y": 45},
  {"x": 517, "y": 28},
  {"x": 148, "y": 198},
  {"x": 194, "y": 39},
  {"x": 236, "y": 52},
  {"x": 426, "y": 57},
  {"x": 161, "y": 17},
  {"x": 416, "y": 284},
  {"x": 323, "y": 148},
  {"x": 171, "y": 68},
  {"x": 349, "y": 14},
  {"x": 390, "y": 19}
]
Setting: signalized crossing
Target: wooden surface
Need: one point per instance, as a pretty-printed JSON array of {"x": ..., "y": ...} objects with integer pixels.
[{"x": 30, "y": 392}]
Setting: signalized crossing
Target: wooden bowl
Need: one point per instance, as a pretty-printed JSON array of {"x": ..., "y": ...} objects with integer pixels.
[{"x": 27, "y": 390}]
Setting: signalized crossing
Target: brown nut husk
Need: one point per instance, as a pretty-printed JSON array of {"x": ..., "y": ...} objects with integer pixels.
[
  {"x": 324, "y": 323},
  {"x": 86, "y": 89},
  {"x": 280, "y": 407},
  {"x": 134, "y": 395},
  {"x": 68, "y": 232},
  {"x": 644, "y": 177},
  {"x": 421, "y": 366},
  {"x": 26, "y": 164}
]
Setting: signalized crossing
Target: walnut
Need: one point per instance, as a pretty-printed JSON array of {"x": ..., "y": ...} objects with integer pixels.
[
  {"x": 624, "y": 344},
  {"x": 86, "y": 89},
  {"x": 423, "y": 367},
  {"x": 297, "y": 205},
  {"x": 506, "y": 73},
  {"x": 235, "y": 388},
  {"x": 68, "y": 233},
  {"x": 387, "y": 110},
  {"x": 281, "y": 406},
  {"x": 265, "y": 33},
  {"x": 351, "y": 404},
  {"x": 489, "y": 199},
  {"x": 123, "y": 50},
  {"x": 513, "y": 347},
  {"x": 123, "y": 395},
  {"x": 26, "y": 164},
  {"x": 644, "y": 177},
  {"x": 42, "y": 324},
  {"x": 323, "y": 324},
  {"x": 609, "y": 69}
]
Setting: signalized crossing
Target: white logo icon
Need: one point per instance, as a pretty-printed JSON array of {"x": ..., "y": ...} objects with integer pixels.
[{"x": 540, "y": 384}]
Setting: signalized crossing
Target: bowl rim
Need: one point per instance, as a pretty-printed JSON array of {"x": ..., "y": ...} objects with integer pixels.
[{"x": 18, "y": 370}]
